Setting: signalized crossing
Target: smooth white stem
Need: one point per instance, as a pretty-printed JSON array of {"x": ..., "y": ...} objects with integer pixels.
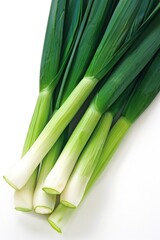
[
  {"x": 18, "y": 176},
  {"x": 23, "y": 199},
  {"x": 76, "y": 186},
  {"x": 43, "y": 203},
  {"x": 72, "y": 195},
  {"x": 59, "y": 175}
]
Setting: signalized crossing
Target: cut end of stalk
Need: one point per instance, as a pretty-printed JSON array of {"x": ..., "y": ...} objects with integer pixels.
[
  {"x": 54, "y": 226},
  {"x": 10, "y": 183},
  {"x": 23, "y": 209},
  {"x": 51, "y": 191},
  {"x": 43, "y": 210},
  {"x": 68, "y": 204}
]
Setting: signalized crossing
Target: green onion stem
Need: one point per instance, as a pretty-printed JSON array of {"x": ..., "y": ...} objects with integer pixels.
[
  {"x": 44, "y": 203},
  {"x": 23, "y": 199},
  {"x": 57, "y": 178},
  {"x": 144, "y": 93},
  {"x": 115, "y": 137},
  {"x": 75, "y": 188}
]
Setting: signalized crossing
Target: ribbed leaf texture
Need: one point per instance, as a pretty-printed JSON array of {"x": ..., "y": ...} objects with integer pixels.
[{"x": 145, "y": 92}]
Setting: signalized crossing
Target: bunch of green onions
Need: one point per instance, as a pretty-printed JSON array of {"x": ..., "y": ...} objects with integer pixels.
[{"x": 99, "y": 72}]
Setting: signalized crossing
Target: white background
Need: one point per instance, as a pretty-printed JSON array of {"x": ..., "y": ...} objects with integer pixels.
[{"x": 125, "y": 203}]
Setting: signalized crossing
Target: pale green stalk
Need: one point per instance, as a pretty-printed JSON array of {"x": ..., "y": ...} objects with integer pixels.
[
  {"x": 44, "y": 203},
  {"x": 114, "y": 139},
  {"x": 60, "y": 217},
  {"x": 58, "y": 177},
  {"x": 62, "y": 116},
  {"x": 75, "y": 188},
  {"x": 77, "y": 183},
  {"x": 23, "y": 198}
]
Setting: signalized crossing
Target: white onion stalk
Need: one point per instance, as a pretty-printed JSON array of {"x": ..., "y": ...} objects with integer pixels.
[
  {"x": 23, "y": 199},
  {"x": 76, "y": 186},
  {"x": 59, "y": 175},
  {"x": 19, "y": 174},
  {"x": 44, "y": 203}
]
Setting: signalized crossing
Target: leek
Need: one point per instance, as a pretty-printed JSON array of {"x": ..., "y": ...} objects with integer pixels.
[
  {"x": 134, "y": 62},
  {"x": 42, "y": 202},
  {"x": 76, "y": 186},
  {"x": 145, "y": 91},
  {"x": 91, "y": 36},
  {"x": 126, "y": 11},
  {"x": 54, "y": 56},
  {"x": 49, "y": 69}
]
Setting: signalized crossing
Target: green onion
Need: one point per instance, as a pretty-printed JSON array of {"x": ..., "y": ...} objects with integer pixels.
[
  {"x": 145, "y": 92},
  {"x": 49, "y": 69},
  {"x": 133, "y": 62},
  {"x": 90, "y": 37},
  {"x": 57, "y": 178},
  {"x": 143, "y": 51},
  {"x": 59, "y": 175},
  {"x": 53, "y": 40},
  {"x": 24, "y": 197},
  {"x": 76, "y": 186},
  {"x": 42, "y": 202}
]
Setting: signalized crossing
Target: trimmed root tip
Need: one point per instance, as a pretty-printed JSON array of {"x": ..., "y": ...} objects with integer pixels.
[
  {"x": 51, "y": 191},
  {"x": 23, "y": 209},
  {"x": 68, "y": 204},
  {"x": 54, "y": 226},
  {"x": 43, "y": 210},
  {"x": 10, "y": 183}
]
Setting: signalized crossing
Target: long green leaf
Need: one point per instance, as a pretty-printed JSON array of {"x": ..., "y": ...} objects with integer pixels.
[
  {"x": 73, "y": 16},
  {"x": 114, "y": 36},
  {"x": 145, "y": 91},
  {"x": 126, "y": 71},
  {"x": 53, "y": 44},
  {"x": 89, "y": 41}
]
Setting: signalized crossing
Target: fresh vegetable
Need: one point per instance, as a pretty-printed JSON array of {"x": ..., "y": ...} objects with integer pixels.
[
  {"x": 134, "y": 62},
  {"x": 87, "y": 42},
  {"x": 145, "y": 91},
  {"x": 76, "y": 186},
  {"x": 50, "y": 64},
  {"x": 99, "y": 72},
  {"x": 126, "y": 11}
]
